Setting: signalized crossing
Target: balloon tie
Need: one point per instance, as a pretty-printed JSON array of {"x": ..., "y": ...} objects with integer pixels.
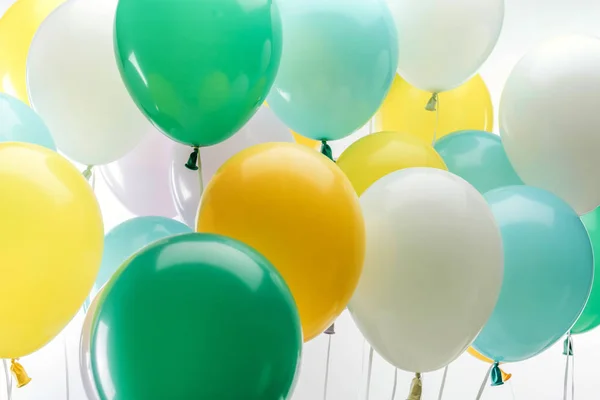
[
  {"x": 192, "y": 163},
  {"x": 330, "y": 330},
  {"x": 19, "y": 373},
  {"x": 496, "y": 375},
  {"x": 568, "y": 345},
  {"x": 416, "y": 388},
  {"x": 568, "y": 351},
  {"x": 87, "y": 173},
  {"x": 326, "y": 150},
  {"x": 432, "y": 103}
]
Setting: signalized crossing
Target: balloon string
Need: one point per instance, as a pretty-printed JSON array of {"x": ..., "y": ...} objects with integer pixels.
[
  {"x": 443, "y": 383},
  {"x": 483, "y": 384},
  {"x": 369, "y": 371},
  {"x": 200, "y": 180},
  {"x": 8, "y": 378},
  {"x": 326, "y": 385},
  {"x": 437, "y": 121},
  {"x": 395, "y": 383},
  {"x": 512, "y": 390},
  {"x": 66, "y": 368},
  {"x": 569, "y": 353},
  {"x": 371, "y": 126}
]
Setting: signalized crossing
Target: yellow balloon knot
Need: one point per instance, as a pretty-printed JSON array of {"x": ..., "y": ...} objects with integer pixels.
[
  {"x": 416, "y": 388},
  {"x": 19, "y": 373},
  {"x": 505, "y": 375},
  {"x": 432, "y": 103}
]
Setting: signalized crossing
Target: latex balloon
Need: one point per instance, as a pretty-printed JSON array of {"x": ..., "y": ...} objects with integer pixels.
[
  {"x": 479, "y": 158},
  {"x": 21, "y": 124},
  {"x": 550, "y": 139},
  {"x": 468, "y": 106},
  {"x": 374, "y": 156},
  {"x": 129, "y": 237},
  {"x": 141, "y": 179},
  {"x": 433, "y": 268},
  {"x": 51, "y": 235},
  {"x": 313, "y": 144},
  {"x": 74, "y": 84},
  {"x": 210, "y": 68},
  {"x": 17, "y": 28},
  {"x": 299, "y": 210},
  {"x": 590, "y": 317},
  {"x": 264, "y": 127},
  {"x": 434, "y": 55},
  {"x": 548, "y": 273},
  {"x": 323, "y": 89},
  {"x": 476, "y": 354},
  {"x": 85, "y": 359},
  {"x": 203, "y": 311}
]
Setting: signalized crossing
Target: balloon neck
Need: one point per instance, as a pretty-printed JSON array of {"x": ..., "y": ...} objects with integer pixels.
[
  {"x": 432, "y": 103},
  {"x": 330, "y": 330},
  {"x": 505, "y": 375},
  {"x": 496, "y": 375},
  {"x": 568, "y": 345},
  {"x": 416, "y": 388},
  {"x": 19, "y": 373},
  {"x": 192, "y": 163},
  {"x": 87, "y": 173},
  {"x": 326, "y": 150}
]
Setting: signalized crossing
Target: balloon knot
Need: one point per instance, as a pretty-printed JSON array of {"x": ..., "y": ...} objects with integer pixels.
[
  {"x": 496, "y": 375},
  {"x": 326, "y": 150},
  {"x": 87, "y": 173},
  {"x": 416, "y": 388},
  {"x": 192, "y": 163},
  {"x": 568, "y": 345},
  {"x": 432, "y": 103},
  {"x": 19, "y": 373},
  {"x": 330, "y": 330}
]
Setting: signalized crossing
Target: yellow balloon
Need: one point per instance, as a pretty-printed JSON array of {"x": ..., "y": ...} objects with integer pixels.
[
  {"x": 505, "y": 376},
  {"x": 303, "y": 140},
  {"x": 298, "y": 209},
  {"x": 374, "y": 156},
  {"x": 51, "y": 238},
  {"x": 17, "y": 28},
  {"x": 467, "y": 107}
]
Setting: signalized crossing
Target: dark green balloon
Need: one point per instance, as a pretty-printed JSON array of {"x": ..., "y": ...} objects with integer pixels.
[
  {"x": 196, "y": 316},
  {"x": 198, "y": 69}
]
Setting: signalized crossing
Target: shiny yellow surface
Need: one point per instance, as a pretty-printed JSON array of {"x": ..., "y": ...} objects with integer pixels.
[
  {"x": 467, "y": 107},
  {"x": 17, "y": 28},
  {"x": 505, "y": 376},
  {"x": 313, "y": 144},
  {"x": 299, "y": 210},
  {"x": 51, "y": 238},
  {"x": 373, "y": 157}
]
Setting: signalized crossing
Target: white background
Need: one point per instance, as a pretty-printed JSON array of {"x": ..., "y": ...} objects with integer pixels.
[{"x": 526, "y": 23}]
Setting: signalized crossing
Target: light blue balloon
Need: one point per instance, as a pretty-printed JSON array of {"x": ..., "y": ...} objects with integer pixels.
[
  {"x": 548, "y": 272},
  {"x": 19, "y": 123},
  {"x": 479, "y": 158},
  {"x": 338, "y": 62}
]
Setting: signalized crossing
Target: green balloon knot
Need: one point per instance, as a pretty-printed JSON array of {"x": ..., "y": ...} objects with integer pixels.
[
  {"x": 326, "y": 150},
  {"x": 330, "y": 330},
  {"x": 568, "y": 346},
  {"x": 87, "y": 173},
  {"x": 192, "y": 163},
  {"x": 496, "y": 375},
  {"x": 432, "y": 103}
]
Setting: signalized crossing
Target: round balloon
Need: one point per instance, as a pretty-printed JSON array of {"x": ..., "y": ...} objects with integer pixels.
[
  {"x": 433, "y": 264},
  {"x": 196, "y": 317},
  {"x": 479, "y": 158},
  {"x": 551, "y": 139},
  {"x": 299, "y": 210},
  {"x": 198, "y": 69},
  {"x": 85, "y": 359},
  {"x": 339, "y": 60},
  {"x": 376, "y": 155},
  {"x": 548, "y": 273},
  {"x": 435, "y": 55},
  {"x": 51, "y": 235},
  {"x": 21, "y": 124},
  {"x": 74, "y": 84},
  {"x": 17, "y": 27},
  {"x": 264, "y": 127},
  {"x": 469, "y": 106}
]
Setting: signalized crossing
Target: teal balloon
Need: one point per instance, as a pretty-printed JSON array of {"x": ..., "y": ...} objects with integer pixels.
[
  {"x": 548, "y": 273},
  {"x": 129, "y": 237},
  {"x": 338, "y": 62},
  {"x": 479, "y": 158},
  {"x": 19, "y": 123},
  {"x": 196, "y": 316}
]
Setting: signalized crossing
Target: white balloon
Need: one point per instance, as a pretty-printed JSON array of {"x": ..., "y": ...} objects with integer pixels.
[
  {"x": 264, "y": 127},
  {"x": 433, "y": 268},
  {"x": 85, "y": 359},
  {"x": 549, "y": 119},
  {"x": 76, "y": 88},
  {"x": 140, "y": 180},
  {"x": 443, "y": 43}
]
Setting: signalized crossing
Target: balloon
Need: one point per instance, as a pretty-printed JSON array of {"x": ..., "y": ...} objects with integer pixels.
[
  {"x": 435, "y": 55},
  {"x": 85, "y": 359},
  {"x": 548, "y": 272},
  {"x": 590, "y": 317},
  {"x": 198, "y": 69},
  {"x": 313, "y": 144},
  {"x": 479, "y": 158},
  {"x": 21, "y": 124},
  {"x": 129, "y": 237},
  {"x": 51, "y": 235},
  {"x": 338, "y": 62},
  {"x": 74, "y": 84},
  {"x": 469, "y": 106},
  {"x": 262, "y": 128},
  {"x": 550, "y": 137},
  {"x": 433, "y": 268},
  {"x": 17, "y": 28},
  {"x": 299, "y": 210},
  {"x": 141, "y": 179},
  {"x": 374, "y": 156},
  {"x": 196, "y": 317},
  {"x": 476, "y": 354}
]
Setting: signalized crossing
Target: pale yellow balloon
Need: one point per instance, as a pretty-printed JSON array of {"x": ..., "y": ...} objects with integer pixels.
[{"x": 17, "y": 29}]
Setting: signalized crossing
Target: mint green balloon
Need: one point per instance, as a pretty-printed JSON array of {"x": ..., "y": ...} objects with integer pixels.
[
  {"x": 19, "y": 123},
  {"x": 198, "y": 69},
  {"x": 479, "y": 158}
]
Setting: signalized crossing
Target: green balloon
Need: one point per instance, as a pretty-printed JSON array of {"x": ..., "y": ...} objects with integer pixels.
[
  {"x": 590, "y": 317},
  {"x": 196, "y": 316},
  {"x": 198, "y": 69}
]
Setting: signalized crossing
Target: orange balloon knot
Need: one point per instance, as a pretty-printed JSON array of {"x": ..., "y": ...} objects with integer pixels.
[
  {"x": 432, "y": 103},
  {"x": 19, "y": 373}
]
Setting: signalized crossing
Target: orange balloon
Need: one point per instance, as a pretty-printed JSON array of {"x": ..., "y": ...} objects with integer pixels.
[{"x": 479, "y": 356}]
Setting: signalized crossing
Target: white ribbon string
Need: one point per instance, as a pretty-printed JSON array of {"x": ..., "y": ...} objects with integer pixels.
[
  {"x": 66, "y": 369},
  {"x": 570, "y": 358},
  {"x": 8, "y": 378},
  {"x": 437, "y": 120},
  {"x": 326, "y": 385},
  {"x": 443, "y": 383},
  {"x": 484, "y": 383},
  {"x": 369, "y": 371},
  {"x": 395, "y": 387}
]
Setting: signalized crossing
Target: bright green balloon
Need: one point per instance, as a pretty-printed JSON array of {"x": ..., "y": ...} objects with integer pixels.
[
  {"x": 196, "y": 316},
  {"x": 590, "y": 317},
  {"x": 198, "y": 69}
]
